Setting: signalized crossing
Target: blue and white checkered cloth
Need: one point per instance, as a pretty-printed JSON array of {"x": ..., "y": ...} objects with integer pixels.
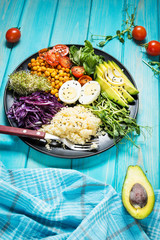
[{"x": 65, "y": 204}]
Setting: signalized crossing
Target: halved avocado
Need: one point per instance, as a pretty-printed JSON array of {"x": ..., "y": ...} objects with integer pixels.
[
  {"x": 110, "y": 92},
  {"x": 137, "y": 193}
]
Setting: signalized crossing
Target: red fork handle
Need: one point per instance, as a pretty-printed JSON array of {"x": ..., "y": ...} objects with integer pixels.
[{"x": 21, "y": 132}]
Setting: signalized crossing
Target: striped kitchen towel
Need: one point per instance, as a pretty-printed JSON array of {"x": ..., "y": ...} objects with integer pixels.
[{"x": 65, "y": 204}]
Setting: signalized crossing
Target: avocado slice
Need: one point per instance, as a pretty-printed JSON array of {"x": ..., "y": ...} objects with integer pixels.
[
  {"x": 110, "y": 92},
  {"x": 137, "y": 193},
  {"x": 124, "y": 93},
  {"x": 125, "y": 96},
  {"x": 118, "y": 72}
]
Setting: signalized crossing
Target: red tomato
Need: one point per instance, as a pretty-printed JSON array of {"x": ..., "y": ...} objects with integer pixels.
[
  {"x": 84, "y": 79},
  {"x": 13, "y": 35},
  {"x": 42, "y": 53},
  {"x": 61, "y": 48},
  {"x": 153, "y": 48},
  {"x": 65, "y": 62},
  {"x": 139, "y": 33},
  {"x": 52, "y": 58},
  {"x": 77, "y": 71}
]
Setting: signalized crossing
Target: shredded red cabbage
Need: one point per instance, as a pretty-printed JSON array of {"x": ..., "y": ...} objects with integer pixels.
[{"x": 34, "y": 110}]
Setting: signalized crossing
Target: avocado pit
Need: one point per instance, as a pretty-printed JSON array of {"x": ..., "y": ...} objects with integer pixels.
[{"x": 138, "y": 196}]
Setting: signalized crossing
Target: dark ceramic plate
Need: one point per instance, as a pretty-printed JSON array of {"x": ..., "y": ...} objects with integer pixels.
[{"x": 105, "y": 142}]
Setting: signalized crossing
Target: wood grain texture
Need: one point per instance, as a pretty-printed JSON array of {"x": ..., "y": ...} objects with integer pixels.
[
  {"x": 47, "y": 22},
  {"x": 8, "y": 19},
  {"x": 13, "y": 152},
  {"x": 102, "y": 166},
  {"x": 148, "y": 154}
]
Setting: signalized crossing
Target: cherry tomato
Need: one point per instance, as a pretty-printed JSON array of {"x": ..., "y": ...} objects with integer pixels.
[
  {"x": 65, "y": 62},
  {"x": 77, "y": 71},
  {"x": 13, "y": 35},
  {"x": 61, "y": 48},
  {"x": 84, "y": 79},
  {"x": 139, "y": 33},
  {"x": 42, "y": 53},
  {"x": 52, "y": 58},
  {"x": 153, "y": 48}
]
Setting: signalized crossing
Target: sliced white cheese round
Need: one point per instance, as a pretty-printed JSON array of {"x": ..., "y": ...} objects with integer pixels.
[
  {"x": 70, "y": 91},
  {"x": 89, "y": 92}
]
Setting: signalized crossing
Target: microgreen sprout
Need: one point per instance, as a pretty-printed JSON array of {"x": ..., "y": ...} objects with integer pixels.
[
  {"x": 155, "y": 69},
  {"x": 120, "y": 34}
]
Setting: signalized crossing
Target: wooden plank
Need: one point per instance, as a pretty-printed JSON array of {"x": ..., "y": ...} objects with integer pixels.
[
  {"x": 71, "y": 28},
  {"x": 11, "y": 154},
  {"x": 71, "y": 22},
  {"x": 102, "y": 17},
  {"x": 8, "y": 20},
  {"x": 148, "y": 154}
]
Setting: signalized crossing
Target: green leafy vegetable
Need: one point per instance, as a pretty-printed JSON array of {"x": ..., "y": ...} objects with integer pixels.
[
  {"x": 85, "y": 57},
  {"x": 116, "y": 121},
  {"x": 24, "y": 83}
]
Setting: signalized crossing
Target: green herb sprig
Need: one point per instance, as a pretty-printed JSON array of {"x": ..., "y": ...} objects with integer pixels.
[
  {"x": 120, "y": 34},
  {"x": 116, "y": 121},
  {"x": 155, "y": 69}
]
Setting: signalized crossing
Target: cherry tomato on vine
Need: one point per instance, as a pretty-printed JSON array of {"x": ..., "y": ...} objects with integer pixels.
[
  {"x": 84, "y": 79},
  {"x": 77, "y": 71},
  {"x": 13, "y": 35},
  {"x": 139, "y": 33},
  {"x": 153, "y": 48},
  {"x": 61, "y": 48}
]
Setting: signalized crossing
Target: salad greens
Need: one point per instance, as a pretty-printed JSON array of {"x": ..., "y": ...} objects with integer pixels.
[
  {"x": 116, "y": 121},
  {"x": 85, "y": 56}
]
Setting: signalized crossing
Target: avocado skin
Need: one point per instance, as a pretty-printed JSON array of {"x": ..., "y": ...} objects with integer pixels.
[{"x": 135, "y": 175}]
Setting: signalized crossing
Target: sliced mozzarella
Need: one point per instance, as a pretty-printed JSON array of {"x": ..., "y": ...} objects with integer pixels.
[
  {"x": 70, "y": 91},
  {"x": 90, "y": 92}
]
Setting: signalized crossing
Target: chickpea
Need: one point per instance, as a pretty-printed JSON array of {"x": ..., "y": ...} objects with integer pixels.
[
  {"x": 60, "y": 84},
  {"x": 47, "y": 73},
  {"x": 53, "y": 84},
  {"x": 60, "y": 78},
  {"x": 34, "y": 68},
  {"x": 57, "y": 81},
  {"x": 29, "y": 65},
  {"x": 56, "y": 95},
  {"x": 33, "y": 60},
  {"x": 53, "y": 74},
  {"x": 42, "y": 64},
  {"x": 39, "y": 69},
  {"x": 53, "y": 91},
  {"x": 56, "y": 77},
  {"x": 67, "y": 70}
]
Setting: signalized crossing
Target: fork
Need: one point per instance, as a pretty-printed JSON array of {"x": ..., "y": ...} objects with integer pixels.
[{"x": 42, "y": 136}]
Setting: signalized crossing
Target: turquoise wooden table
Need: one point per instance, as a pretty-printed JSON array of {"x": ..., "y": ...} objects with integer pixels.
[{"x": 48, "y": 22}]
